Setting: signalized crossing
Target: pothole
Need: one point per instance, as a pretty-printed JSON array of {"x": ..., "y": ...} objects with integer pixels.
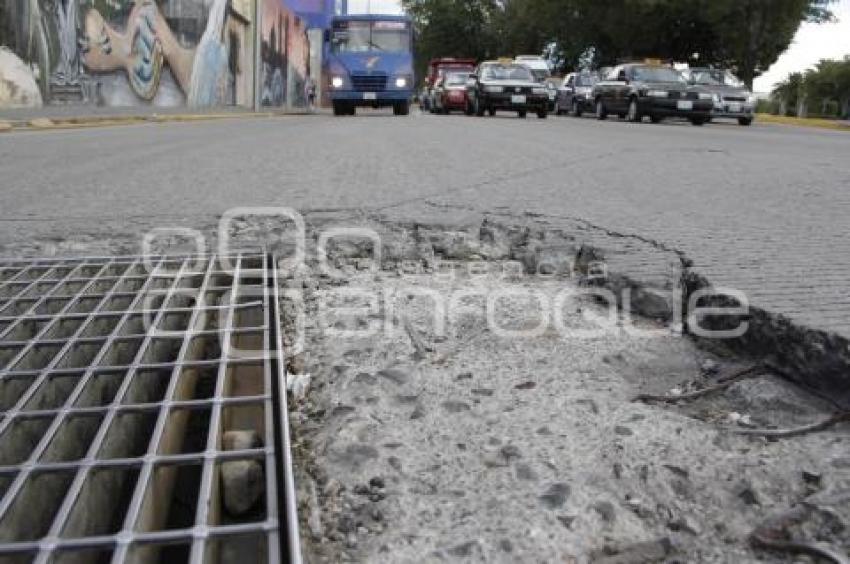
[{"x": 469, "y": 397}]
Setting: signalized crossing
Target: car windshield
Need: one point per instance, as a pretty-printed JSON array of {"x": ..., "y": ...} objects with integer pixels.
[
  {"x": 362, "y": 36},
  {"x": 585, "y": 80},
  {"x": 456, "y": 79},
  {"x": 656, "y": 74},
  {"x": 539, "y": 74},
  {"x": 715, "y": 78},
  {"x": 506, "y": 72}
]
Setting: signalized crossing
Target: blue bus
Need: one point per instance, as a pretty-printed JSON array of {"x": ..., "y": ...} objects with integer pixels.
[{"x": 369, "y": 63}]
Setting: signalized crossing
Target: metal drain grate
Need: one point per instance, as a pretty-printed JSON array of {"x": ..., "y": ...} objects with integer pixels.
[{"x": 123, "y": 383}]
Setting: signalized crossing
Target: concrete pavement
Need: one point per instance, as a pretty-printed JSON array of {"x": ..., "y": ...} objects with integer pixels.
[{"x": 761, "y": 209}]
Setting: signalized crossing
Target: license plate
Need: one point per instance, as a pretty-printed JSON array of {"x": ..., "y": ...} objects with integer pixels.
[
  {"x": 370, "y": 96},
  {"x": 685, "y": 105},
  {"x": 735, "y": 108},
  {"x": 518, "y": 99}
]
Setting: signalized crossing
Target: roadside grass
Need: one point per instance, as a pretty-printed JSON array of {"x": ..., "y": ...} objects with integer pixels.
[{"x": 805, "y": 122}]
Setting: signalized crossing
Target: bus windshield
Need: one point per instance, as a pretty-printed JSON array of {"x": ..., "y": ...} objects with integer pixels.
[{"x": 362, "y": 36}]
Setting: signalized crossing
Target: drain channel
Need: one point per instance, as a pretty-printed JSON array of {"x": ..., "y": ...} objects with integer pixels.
[{"x": 140, "y": 412}]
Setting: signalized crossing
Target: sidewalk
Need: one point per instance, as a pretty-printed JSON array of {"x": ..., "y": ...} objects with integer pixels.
[{"x": 92, "y": 116}]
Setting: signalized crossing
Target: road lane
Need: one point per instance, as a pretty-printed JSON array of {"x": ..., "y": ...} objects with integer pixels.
[{"x": 763, "y": 209}]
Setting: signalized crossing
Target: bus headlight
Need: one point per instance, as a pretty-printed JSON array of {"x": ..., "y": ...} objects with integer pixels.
[
  {"x": 400, "y": 82},
  {"x": 337, "y": 82}
]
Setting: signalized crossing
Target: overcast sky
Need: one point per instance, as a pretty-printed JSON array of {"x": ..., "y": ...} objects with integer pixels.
[{"x": 813, "y": 42}]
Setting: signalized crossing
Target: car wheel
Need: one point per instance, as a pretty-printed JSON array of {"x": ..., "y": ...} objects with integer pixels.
[
  {"x": 491, "y": 111},
  {"x": 634, "y": 113},
  {"x": 522, "y": 113},
  {"x": 558, "y": 111},
  {"x": 542, "y": 114},
  {"x": 745, "y": 121},
  {"x": 479, "y": 109},
  {"x": 339, "y": 109},
  {"x": 655, "y": 119},
  {"x": 698, "y": 121},
  {"x": 601, "y": 112},
  {"x": 576, "y": 109}
]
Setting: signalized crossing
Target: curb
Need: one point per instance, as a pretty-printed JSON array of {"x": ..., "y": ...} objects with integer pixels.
[{"x": 81, "y": 122}]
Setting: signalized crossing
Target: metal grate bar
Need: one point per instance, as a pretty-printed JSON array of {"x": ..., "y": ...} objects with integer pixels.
[{"x": 119, "y": 380}]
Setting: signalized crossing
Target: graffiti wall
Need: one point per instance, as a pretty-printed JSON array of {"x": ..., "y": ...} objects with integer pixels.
[
  {"x": 197, "y": 53},
  {"x": 285, "y": 56}
]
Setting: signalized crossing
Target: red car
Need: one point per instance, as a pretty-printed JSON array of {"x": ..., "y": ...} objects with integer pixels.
[
  {"x": 450, "y": 92},
  {"x": 437, "y": 68}
]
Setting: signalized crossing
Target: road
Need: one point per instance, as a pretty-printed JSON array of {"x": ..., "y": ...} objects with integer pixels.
[{"x": 762, "y": 209}]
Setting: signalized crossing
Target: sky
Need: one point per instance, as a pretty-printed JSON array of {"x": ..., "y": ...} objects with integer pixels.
[{"x": 813, "y": 42}]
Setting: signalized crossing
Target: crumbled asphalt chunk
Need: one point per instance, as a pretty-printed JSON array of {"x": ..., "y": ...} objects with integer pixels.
[
  {"x": 544, "y": 431},
  {"x": 377, "y": 482},
  {"x": 464, "y": 376},
  {"x": 406, "y": 399},
  {"x": 463, "y": 550},
  {"x": 362, "y": 489},
  {"x": 418, "y": 412},
  {"x": 812, "y": 478},
  {"x": 677, "y": 470},
  {"x": 342, "y": 410},
  {"x": 456, "y": 406},
  {"x": 366, "y": 379},
  {"x": 510, "y": 452},
  {"x": 709, "y": 367},
  {"x": 635, "y": 553},
  {"x": 747, "y": 494},
  {"x": 506, "y": 545},
  {"x": 355, "y": 454},
  {"x": 395, "y": 463},
  {"x": 623, "y": 431},
  {"x": 526, "y": 386},
  {"x": 606, "y": 510},
  {"x": 555, "y": 495},
  {"x": 590, "y": 405},
  {"x": 394, "y": 375},
  {"x": 485, "y": 392},
  {"x": 525, "y": 472},
  {"x": 617, "y": 470},
  {"x": 566, "y": 520},
  {"x": 685, "y": 525}
]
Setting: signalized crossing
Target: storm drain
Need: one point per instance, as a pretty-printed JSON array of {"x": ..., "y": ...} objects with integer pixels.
[{"x": 140, "y": 418}]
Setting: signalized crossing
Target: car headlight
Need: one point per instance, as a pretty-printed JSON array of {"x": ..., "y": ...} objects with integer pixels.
[
  {"x": 658, "y": 94},
  {"x": 706, "y": 96},
  {"x": 539, "y": 90},
  {"x": 494, "y": 89},
  {"x": 717, "y": 99},
  {"x": 337, "y": 82},
  {"x": 400, "y": 82},
  {"x": 751, "y": 100}
]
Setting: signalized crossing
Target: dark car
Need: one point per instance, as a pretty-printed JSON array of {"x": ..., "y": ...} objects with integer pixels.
[
  {"x": 636, "y": 90},
  {"x": 497, "y": 85},
  {"x": 575, "y": 95},
  {"x": 732, "y": 99},
  {"x": 450, "y": 92}
]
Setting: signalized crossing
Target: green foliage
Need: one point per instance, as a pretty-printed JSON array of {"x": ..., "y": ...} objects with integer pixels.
[
  {"x": 744, "y": 35},
  {"x": 823, "y": 90}
]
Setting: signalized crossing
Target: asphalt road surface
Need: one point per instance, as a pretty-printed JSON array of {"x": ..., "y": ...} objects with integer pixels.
[{"x": 763, "y": 209}]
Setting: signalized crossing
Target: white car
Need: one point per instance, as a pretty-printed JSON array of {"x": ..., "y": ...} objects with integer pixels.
[{"x": 542, "y": 72}]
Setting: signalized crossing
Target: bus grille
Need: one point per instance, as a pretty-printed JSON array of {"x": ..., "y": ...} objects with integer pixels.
[{"x": 373, "y": 82}]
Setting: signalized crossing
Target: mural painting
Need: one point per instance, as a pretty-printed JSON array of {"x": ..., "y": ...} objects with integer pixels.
[
  {"x": 284, "y": 56},
  {"x": 135, "y": 52}
]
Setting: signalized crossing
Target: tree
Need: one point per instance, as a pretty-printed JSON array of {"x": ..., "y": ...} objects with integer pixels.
[{"x": 744, "y": 35}]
